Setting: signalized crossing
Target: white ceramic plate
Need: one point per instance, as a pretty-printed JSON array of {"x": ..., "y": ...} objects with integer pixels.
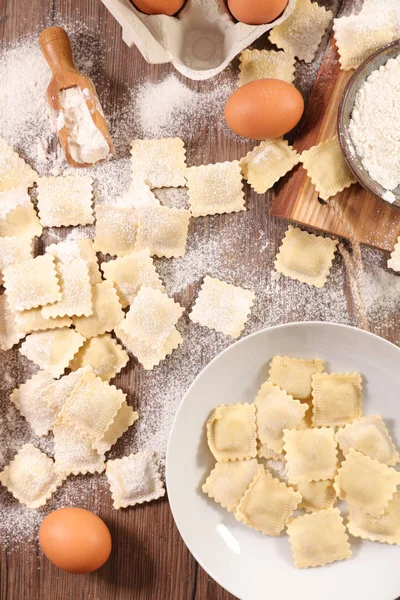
[{"x": 246, "y": 563}]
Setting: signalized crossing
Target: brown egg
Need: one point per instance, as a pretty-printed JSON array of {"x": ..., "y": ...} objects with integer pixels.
[
  {"x": 159, "y": 7},
  {"x": 75, "y": 540},
  {"x": 256, "y": 12},
  {"x": 264, "y": 109}
]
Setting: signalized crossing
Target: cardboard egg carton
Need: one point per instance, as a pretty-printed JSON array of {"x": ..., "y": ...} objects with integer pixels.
[{"x": 200, "y": 42}]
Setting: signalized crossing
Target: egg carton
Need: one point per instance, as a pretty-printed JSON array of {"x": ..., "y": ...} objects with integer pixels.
[{"x": 200, "y": 42}]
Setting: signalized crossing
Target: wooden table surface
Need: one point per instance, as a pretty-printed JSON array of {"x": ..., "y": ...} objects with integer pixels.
[{"x": 149, "y": 560}]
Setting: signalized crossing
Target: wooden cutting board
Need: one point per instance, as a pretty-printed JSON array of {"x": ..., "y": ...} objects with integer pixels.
[{"x": 372, "y": 222}]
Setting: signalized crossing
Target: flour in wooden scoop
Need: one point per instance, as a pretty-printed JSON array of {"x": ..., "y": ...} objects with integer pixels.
[{"x": 375, "y": 125}]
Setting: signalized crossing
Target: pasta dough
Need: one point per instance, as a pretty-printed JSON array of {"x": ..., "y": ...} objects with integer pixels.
[
  {"x": 116, "y": 228},
  {"x": 32, "y": 283},
  {"x": 107, "y": 312},
  {"x": 222, "y": 306},
  {"x": 301, "y": 33},
  {"x": 134, "y": 479},
  {"x": 336, "y": 399},
  {"x": 384, "y": 529},
  {"x": 276, "y": 411},
  {"x": 9, "y": 334},
  {"x": 14, "y": 171},
  {"x": 160, "y": 163},
  {"x": 310, "y": 454},
  {"x": 17, "y": 215},
  {"x": 103, "y": 354},
  {"x": 306, "y": 257},
  {"x": 294, "y": 375},
  {"x": 31, "y": 477},
  {"x": 267, "y": 163},
  {"x": 231, "y": 432},
  {"x": 266, "y": 64},
  {"x": 13, "y": 250},
  {"x": 366, "y": 483},
  {"x": 228, "y": 481},
  {"x": 215, "y": 189},
  {"x": 52, "y": 350},
  {"x": 65, "y": 200},
  {"x": 129, "y": 273},
  {"x": 267, "y": 504},
  {"x": 327, "y": 168},
  {"x": 369, "y": 436},
  {"x": 163, "y": 231},
  {"x": 318, "y": 539}
]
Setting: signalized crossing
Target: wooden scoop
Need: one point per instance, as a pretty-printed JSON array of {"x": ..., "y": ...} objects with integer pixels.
[{"x": 56, "y": 47}]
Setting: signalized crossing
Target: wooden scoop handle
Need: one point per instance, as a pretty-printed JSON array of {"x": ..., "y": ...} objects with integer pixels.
[{"x": 56, "y": 48}]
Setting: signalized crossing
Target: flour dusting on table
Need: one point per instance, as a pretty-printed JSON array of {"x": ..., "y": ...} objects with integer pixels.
[{"x": 212, "y": 250}]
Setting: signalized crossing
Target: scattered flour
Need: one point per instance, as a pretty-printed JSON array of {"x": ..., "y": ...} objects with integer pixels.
[{"x": 212, "y": 249}]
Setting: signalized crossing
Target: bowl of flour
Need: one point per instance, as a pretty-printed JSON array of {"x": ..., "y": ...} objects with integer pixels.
[{"x": 369, "y": 124}]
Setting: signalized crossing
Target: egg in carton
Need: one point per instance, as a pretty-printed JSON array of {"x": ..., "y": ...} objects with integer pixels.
[{"x": 200, "y": 41}]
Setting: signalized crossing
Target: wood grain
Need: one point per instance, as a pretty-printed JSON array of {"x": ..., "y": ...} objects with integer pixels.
[
  {"x": 149, "y": 560},
  {"x": 373, "y": 222}
]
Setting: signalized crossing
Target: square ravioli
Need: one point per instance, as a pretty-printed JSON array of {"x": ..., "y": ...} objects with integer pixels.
[
  {"x": 228, "y": 481},
  {"x": 107, "y": 312},
  {"x": 32, "y": 283},
  {"x": 359, "y": 36},
  {"x": 103, "y": 354},
  {"x": 116, "y": 228},
  {"x": 129, "y": 273},
  {"x": 27, "y": 321},
  {"x": 65, "y": 200},
  {"x": 369, "y": 436},
  {"x": 267, "y": 504},
  {"x": 384, "y": 529},
  {"x": 31, "y": 477},
  {"x": 366, "y": 483},
  {"x": 76, "y": 290},
  {"x": 160, "y": 163},
  {"x": 134, "y": 479},
  {"x": 215, "y": 189},
  {"x": 318, "y": 539},
  {"x": 222, "y": 306},
  {"x": 13, "y": 250},
  {"x": 163, "y": 231},
  {"x": 306, "y": 257},
  {"x": 327, "y": 168},
  {"x": 14, "y": 171},
  {"x": 69, "y": 250},
  {"x": 231, "y": 432},
  {"x": 17, "y": 215},
  {"x": 124, "y": 418},
  {"x": 138, "y": 195},
  {"x": 41, "y": 398},
  {"x": 92, "y": 406},
  {"x": 336, "y": 398},
  {"x": 73, "y": 453},
  {"x": 294, "y": 375},
  {"x": 267, "y": 163},
  {"x": 149, "y": 356},
  {"x": 316, "y": 495},
  {"x": 52, "y": 350},
  {"x": 301, "y": 33},
  {"x": 9, "y": 334},
  {"x": 152, "y": 317},
  {"x": 276, "y": 411},
  {"x": 311, "y": 454},
  {"x": 266, "y": 64},
  {"x": 394, "y": 260},
  {"x": 32, "y": 401}
]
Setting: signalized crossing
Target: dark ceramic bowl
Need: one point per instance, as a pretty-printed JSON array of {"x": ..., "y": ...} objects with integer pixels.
[{"x": 345, "y": 111}]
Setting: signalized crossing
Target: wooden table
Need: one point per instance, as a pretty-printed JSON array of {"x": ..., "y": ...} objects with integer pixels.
[{"x": 149, "y": 560}]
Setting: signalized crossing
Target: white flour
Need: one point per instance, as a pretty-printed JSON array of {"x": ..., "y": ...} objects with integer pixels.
[
  {"x": 86, "y": 143},
  {"x": 375, "y": 124}
]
